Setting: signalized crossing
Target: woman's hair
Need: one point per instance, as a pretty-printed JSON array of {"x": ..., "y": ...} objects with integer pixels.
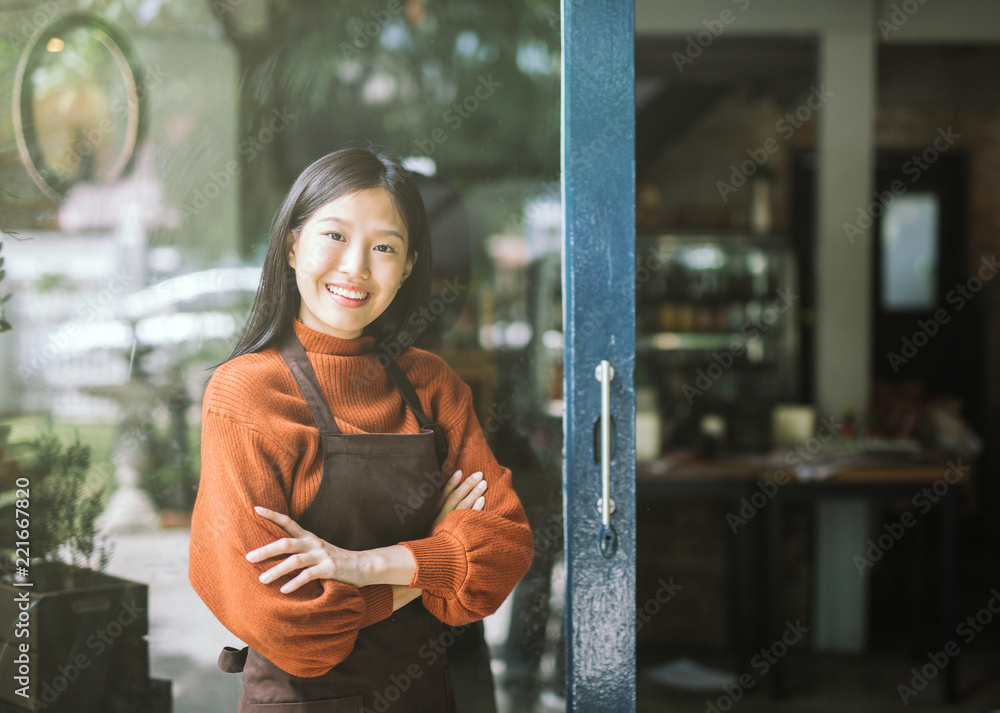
[{"x": 341, "y": 173}]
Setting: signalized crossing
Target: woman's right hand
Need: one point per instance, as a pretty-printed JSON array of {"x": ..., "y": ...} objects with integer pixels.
[
  {"x": 459, "y": 494},
  {"x": 456, "y": 494},
  {"x": 401, "y": 596}
]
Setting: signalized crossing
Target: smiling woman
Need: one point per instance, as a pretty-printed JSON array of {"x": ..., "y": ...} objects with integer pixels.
[
  {"x": 326, "y": 225},
  {"x": 315, "y": 537},
  {"x": 350, "y": 259}
]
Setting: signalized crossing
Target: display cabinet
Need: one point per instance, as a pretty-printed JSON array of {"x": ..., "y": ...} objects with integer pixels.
[{"x": 717, "y": 337}]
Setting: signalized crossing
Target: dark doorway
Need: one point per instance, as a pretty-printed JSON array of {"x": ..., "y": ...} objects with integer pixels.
[{"x": 927, "y": 313}]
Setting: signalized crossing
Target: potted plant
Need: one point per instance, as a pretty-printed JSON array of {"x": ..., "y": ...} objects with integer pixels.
[
  {"x": 4, "y": 299},
  {"x": 74, "y": 637}
]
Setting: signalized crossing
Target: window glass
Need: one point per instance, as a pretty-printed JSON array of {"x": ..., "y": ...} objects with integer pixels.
[
  {"x": 910, "y": 253},
  {"x": 127, "y": 287}
]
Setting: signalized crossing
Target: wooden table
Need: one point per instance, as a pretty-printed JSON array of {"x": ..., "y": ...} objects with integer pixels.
[
  {"x": 885, "y": 482},
  {"x": 879, "y": 480},
  {"x": 726, "y": 480}
]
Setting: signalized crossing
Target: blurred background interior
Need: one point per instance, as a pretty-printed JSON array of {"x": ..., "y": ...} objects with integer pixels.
[{"x": 785, "y": 332}]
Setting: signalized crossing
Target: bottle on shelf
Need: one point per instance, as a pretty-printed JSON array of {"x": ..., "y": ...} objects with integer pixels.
[
  {"x": 648, "y": 422},
  {"x": 685, "y": 295},
  {"x": 850, "y": 428}
]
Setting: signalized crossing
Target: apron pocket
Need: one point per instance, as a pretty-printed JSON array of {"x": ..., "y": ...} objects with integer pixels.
[{"x": 351, "y": 704}]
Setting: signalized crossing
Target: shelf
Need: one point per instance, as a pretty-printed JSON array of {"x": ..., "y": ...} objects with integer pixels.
[
  {"x": 723, "y": 239},
  {"x": 691, "y": 341}
]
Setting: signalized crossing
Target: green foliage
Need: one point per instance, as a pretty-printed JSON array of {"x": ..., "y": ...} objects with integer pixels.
[
  {"x": 63, "y": 507},
  {"x": 171, "y": 475},
  {"x": 4, "y": 324},
  {"x": 426, "y": 65},
  {"x": 473, "y": 86},
  {"x": 52, "y": 281}
]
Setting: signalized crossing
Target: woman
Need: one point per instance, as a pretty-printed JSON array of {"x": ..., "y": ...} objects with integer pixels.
[{"x": 322, "y": 515}]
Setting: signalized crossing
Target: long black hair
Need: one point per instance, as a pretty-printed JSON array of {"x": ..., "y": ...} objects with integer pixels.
[{"x": 341, "y": 173}]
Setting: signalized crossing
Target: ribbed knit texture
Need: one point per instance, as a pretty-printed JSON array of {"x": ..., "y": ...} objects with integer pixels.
[{"x": 257, "y": 432}]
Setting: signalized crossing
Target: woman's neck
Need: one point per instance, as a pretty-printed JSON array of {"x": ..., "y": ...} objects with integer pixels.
[{"x": 318, "y": 342}]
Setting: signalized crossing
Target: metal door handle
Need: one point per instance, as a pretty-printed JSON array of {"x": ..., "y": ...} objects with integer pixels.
[{"x": 608, "y": 537}]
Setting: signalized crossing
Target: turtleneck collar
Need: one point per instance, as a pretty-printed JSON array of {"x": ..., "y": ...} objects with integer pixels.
[{"x": 321, "y": 343}]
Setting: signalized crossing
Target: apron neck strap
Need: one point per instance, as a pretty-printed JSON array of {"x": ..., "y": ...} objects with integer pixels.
[
  {"x": 406, "y": 389},
  {"x": 294, "y": 354},
  {"x": 410, "y": 397}
]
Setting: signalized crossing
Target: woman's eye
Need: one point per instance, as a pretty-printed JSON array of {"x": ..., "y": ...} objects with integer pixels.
[
  {"x": 335, "y": 236},
  {"x": 385, "y": 249}
]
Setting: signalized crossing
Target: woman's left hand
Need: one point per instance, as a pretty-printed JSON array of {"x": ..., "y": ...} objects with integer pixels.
[{"x": 317, "y": 558}]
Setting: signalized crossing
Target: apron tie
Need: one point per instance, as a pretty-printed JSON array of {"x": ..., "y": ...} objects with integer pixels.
[{"x": 233, "y": 660}]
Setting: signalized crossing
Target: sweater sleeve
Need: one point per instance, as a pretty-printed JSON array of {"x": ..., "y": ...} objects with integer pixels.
[
  {"x": 306, "y": 632},
  {"x": 473, "y": 559}
]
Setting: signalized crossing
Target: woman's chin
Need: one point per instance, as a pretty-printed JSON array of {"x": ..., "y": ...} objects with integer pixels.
[{"x": 340, "y": 328}]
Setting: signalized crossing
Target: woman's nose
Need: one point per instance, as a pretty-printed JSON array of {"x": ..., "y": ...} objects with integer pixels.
[{"x": 354, "y": 260}]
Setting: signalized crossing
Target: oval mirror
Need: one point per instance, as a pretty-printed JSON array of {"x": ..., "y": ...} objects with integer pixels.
[{"x": 76, "y": 104}]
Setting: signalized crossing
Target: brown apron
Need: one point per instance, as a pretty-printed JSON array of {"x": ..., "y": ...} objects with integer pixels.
[{"x": 398, "y": 664}]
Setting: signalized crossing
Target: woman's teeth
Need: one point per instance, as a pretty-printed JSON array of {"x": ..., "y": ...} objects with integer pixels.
[{"x": 350, "y": 294}]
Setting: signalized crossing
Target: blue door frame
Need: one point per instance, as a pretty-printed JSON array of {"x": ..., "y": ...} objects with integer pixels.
[{"x": 598, "y": 172}]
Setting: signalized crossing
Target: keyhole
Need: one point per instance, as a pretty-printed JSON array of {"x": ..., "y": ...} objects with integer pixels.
[{"x": 608, "y": 541}]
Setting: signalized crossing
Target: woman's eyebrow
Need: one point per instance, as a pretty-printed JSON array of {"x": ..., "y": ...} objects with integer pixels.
[{"x": 349, "y": 224}]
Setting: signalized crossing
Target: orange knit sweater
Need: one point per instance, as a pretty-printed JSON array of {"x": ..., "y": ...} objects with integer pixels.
[{"x": 257, "y": 432}]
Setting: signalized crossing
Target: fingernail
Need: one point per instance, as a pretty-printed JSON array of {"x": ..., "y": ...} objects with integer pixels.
[
  {"x": 481, "y": 501},
  {"x": 481, "y": 486},
  {"x": 476, "y": 476},
  {"x": 259, "y": 509},
  {"x": 457, "y": 474}
]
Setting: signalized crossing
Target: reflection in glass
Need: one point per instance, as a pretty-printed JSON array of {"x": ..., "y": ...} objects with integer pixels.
[
  {"x": 75, "y": 86},
  {"x": 468, "y": 93},
  {"x": 77, "y": 105},
  {"x": 910, "y": 253}
]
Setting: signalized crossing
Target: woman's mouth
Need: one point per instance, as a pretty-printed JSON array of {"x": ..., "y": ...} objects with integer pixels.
[{"x": 348, "y": 297}]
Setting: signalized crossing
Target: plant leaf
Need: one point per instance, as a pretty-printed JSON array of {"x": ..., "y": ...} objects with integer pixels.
[{"x": 7, "y": 499}]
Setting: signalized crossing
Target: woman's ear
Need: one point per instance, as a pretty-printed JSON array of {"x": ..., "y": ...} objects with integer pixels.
[
  {"x": 411, "y": 259},
  {"x": 290, "y": 241}
]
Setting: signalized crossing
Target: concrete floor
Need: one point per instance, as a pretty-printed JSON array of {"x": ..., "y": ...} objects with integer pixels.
[
  {"x": 185, "y": 640},
  {"x": 184, "y": 636},
  {"x": 841, "y": 684}
]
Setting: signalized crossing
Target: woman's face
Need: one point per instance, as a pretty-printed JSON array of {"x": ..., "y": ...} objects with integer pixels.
[{"x": 350, "y": 258}]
